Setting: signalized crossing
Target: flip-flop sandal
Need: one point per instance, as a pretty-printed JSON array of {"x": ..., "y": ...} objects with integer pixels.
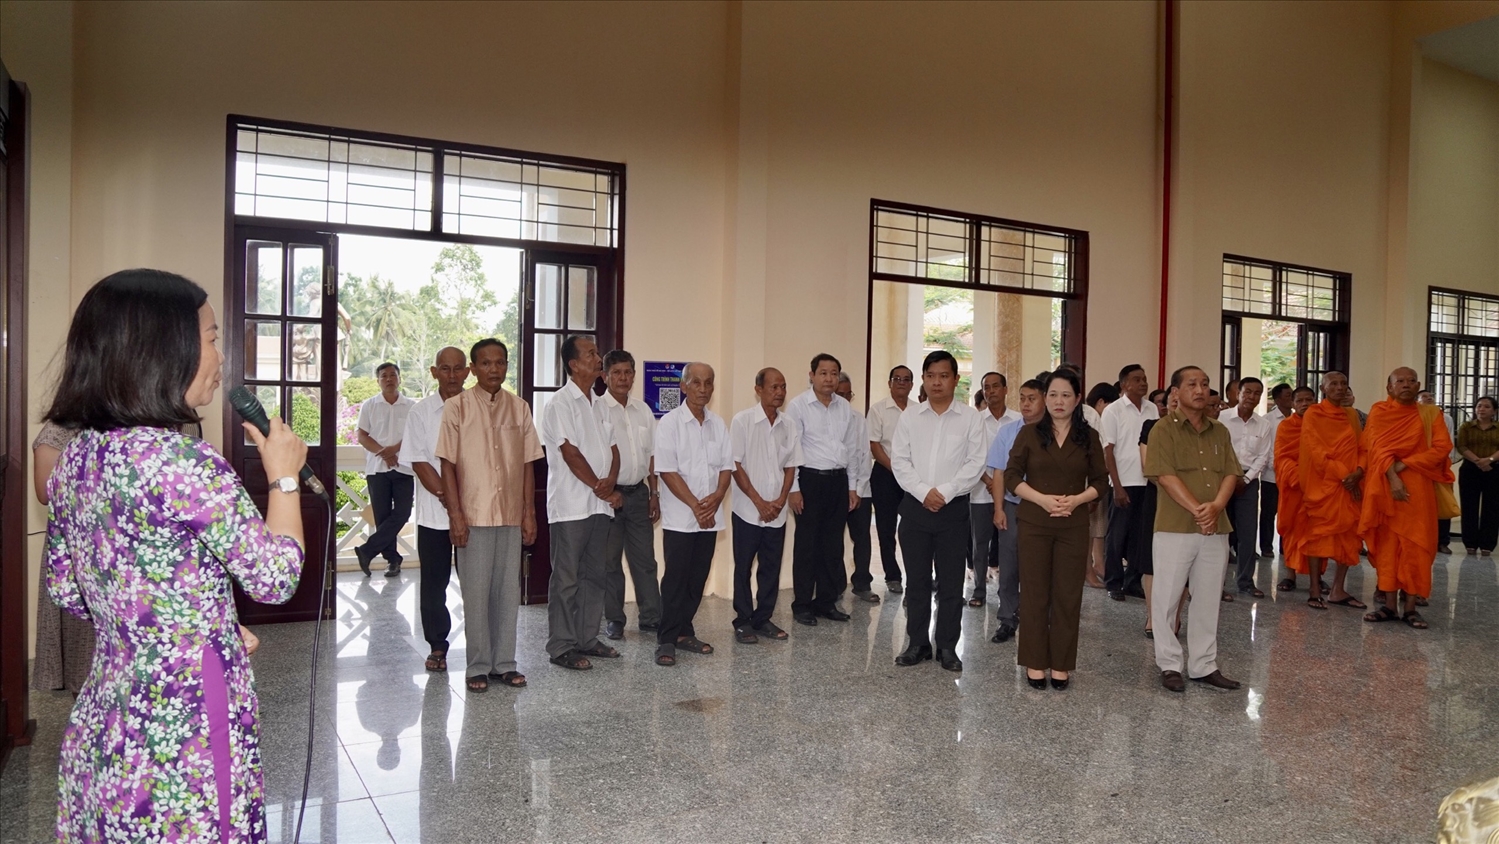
[
  {"x": 746, "y": 636},
  {"x": 1382, "y": 614},
  {"x": 478, "y": 684},
  {"x": 975, "y": 602},
  {"x": 437, "y": 661},
  {"x": 1414, "y": 619},
  {"x": 513, "y": 679},
  {"x": 572, "y": 660},
  {"x": 1228, "y": 598},
  {"x": 1350, "y": 601},
  {"x": 666, "y": 655},
  {"x": 600, "y": 650},
  {"x": 1317, "y": 603},
  {"x": 692, "y": 645},
  {"x": 1287, "y": 585}
]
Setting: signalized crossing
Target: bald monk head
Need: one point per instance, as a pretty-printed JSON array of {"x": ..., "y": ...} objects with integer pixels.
[
  {"x": 1301, "y": 399},
  {"x": 1403, "y": 385},
  {"x": 1335, "y": 389}
]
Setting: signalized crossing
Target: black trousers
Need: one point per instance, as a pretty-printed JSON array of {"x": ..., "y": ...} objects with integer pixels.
[
  {"x": 435, "y": 549},
  {"x": 390, "y": 498},
  {"x": 817, "y": 573},
  {"x": 754, "y": 607},
  {"x": 1269, "y": 506},
  {"x": 689, "y": 556},
  {"x": 939, "y": 539},
  {"x": 1479, "y": 491},
  {"x": 858, "y": 534},
  {"x": 1127, "y": 529},
  {"x": 887, "y": 495}
]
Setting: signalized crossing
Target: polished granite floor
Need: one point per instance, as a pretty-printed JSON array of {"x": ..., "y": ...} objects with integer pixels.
[{"x": 1344, "y": 732}]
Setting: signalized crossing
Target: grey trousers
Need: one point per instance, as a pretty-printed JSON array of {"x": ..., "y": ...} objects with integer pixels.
[
  {"x": 632, "y": 537},
  {"x": 1188, "y": 560},
  {"x": 489, "y": 578},
  {"x": 1007, "y": 590},
  {"x": 575, "y": 594}
]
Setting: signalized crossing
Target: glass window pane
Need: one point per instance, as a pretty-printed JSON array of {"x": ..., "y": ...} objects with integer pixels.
[
  {"x": 307, "y": 414},
  {"x": 305, "y": 360},
  {"x": 539, "y": 400},
  {"x": 270, "y": 399},
  {"x": 263, "y": 351},
  {"x": 307, "y": 281},
  {"x": 546, "y": 361},
  {"x": 548, "y": 296},
  {"x": 263, "y": 265},
  {"x": 582, "y": 304}
]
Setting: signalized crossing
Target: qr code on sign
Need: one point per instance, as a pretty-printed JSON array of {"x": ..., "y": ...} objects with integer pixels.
[{"x": 670, "y": 398}]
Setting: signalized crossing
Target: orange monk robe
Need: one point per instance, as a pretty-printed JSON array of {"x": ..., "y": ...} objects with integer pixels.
[
  {"x": 1290, "y": 520},
  {"x": 1329, "y": 453},
  {"x": 1402, "y": 535}
]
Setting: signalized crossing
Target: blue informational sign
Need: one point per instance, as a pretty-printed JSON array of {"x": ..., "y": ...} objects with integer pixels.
[{"x": 662, "y": 385}]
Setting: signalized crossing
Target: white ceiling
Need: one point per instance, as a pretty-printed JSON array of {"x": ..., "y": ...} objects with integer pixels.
[{"x": 1474, "y": 48}]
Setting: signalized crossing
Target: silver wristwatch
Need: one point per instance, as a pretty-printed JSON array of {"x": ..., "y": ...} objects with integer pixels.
[{"x": 287, "y": 485}]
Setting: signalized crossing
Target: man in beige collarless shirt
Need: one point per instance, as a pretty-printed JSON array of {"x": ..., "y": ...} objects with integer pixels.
[{"x": 487, "y": 444}]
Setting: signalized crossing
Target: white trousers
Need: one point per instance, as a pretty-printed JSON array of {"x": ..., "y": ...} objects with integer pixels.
[{"x": 1195, "y": 561}]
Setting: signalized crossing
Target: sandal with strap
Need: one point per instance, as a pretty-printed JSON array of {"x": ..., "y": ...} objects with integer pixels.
[
  {"x": 1350, "y": 602},
  {"x": 1316, "y": 603},
  {"x": 513, "y": 679},
  {"x": 437, "y": 661},
  {"x": 600, "y": 650},
  {"x": 666, "y": 655},
  {"x": 1384, "y": 613},
  {"x": 1414, "y": 619},
  {"x": 572, "y": 660},
  {"x": 1287, "y": 585},
  {"x": 478, "y": 684},
  {"x": 692, "y": 645}
]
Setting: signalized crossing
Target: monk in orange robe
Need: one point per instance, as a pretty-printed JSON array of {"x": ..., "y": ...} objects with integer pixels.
[
  {"x": 1406, "y": 450},
  {"x": 1331, "y": 475},
  {"x": 1290, "y": 521}
]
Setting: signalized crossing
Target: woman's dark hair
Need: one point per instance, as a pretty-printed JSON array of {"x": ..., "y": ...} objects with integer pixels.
[
  {"x": 1489, "y": 399},
  {"x": 1079, "y": 427},
  {"x": 1101, "y": 392},
  {"x": 132, "y": 351}
]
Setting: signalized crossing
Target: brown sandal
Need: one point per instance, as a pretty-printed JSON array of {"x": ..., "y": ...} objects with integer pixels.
[
  {"x": 513, "y": 679},
  {"x": 437, "y": 661},
  {"x": 478, "y": 684}
]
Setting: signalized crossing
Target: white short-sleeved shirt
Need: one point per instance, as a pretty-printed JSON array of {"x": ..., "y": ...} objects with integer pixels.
[
  {"x": 1253, "y": 440},
  {"x": 386, "y": 424},
  {"x": 419, "y": 445},
  {"x": 699, "y": 452},
  {"x": 765, "y": 450},
  {"x": 883, "y": 415},
  {"x": 569, "y": 417},
  {"x": 634, "y": 432},
  {"x": 1121, "y": 424},
  {"x": 992, "y": 426},
  {"x": 861, "y": 466}
]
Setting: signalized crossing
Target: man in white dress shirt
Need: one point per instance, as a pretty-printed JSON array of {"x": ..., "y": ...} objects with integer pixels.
[
  {"x": 389, "y": 485},
  {"x": 631, "y": 534},
  {"x": 859, "y": 517},
  {"x": 939, "y": 456},
  {"x": 694, "y": 459},
  {"x": 766, "y": 449},
  {"x": 1254, "y": 446},
  {"x": 885, "y": 491},
  {"x": 1128, "y": 531},
  {"x": 995, "y": 415},
  {"x": 582, "y": 464},
  {"x": 824, "y": 491},
  {"x": 434, "y": 547}
]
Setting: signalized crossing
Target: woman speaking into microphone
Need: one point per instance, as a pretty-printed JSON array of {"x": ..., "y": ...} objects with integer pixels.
[{"x": 147, "y": 530}]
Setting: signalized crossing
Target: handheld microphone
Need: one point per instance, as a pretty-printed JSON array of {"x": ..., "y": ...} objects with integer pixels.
[{"x": 251, "y": 410}]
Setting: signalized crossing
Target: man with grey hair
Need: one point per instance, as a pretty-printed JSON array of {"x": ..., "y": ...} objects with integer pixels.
[
  {"x": 860, "y": 468},
  {"x": 766, "y": 449},
  {"x": 631, "y": 534},
  {"x": 694, "y": 461},
  {"x": 582, "y": 465}
]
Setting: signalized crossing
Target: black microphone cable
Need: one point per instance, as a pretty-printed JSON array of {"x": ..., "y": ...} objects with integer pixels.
[{"x": 317, "y": 637}]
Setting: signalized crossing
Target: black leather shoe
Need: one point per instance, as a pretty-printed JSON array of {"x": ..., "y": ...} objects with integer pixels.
[
  {"x": 1172, "y": 680},
  {"x": 866, "y": 596},
  {"x": 1217, "y": 681},
  {"x": 1004, "y": 634},
  {"x": 649, "y": 627},
  {"x": 894, "y": 587},
  {"x": 804, "y": 618},
  {"x": 914, "y": 655},
  {"x": 614, "y": 630},
  {"x": 1038, "y": 683},
  {"x": 948, "y": 659},
  {"x": 393, "y": 570},
  {"x": 1116, "y": 595},
  {"x": 1135, "y": 590},
  {"x": 833, "y": 614},
  {"x": 364, "y": 562},
  {"x": 1060, "y": 685}
]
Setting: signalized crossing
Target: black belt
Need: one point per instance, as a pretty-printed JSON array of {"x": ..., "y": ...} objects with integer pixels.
[
  {"x": 827, "y": 473},
  {"x": 629, "y": 487}
]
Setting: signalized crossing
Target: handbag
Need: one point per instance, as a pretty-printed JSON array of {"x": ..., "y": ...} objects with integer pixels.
[{"x": 1447, "y": 507}]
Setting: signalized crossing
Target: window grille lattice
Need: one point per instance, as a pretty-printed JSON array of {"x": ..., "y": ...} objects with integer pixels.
[
  {"x": 947, "y": 246},
  {"x": 1276, "y": 291}
]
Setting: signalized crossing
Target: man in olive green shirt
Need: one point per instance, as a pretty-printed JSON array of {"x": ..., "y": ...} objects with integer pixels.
[{"x": 1191, "y": 458}]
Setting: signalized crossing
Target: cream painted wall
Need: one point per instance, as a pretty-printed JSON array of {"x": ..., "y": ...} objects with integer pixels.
[
  {"x": 36, "y": 45},
  {"x": 1454, "y": 231}
]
